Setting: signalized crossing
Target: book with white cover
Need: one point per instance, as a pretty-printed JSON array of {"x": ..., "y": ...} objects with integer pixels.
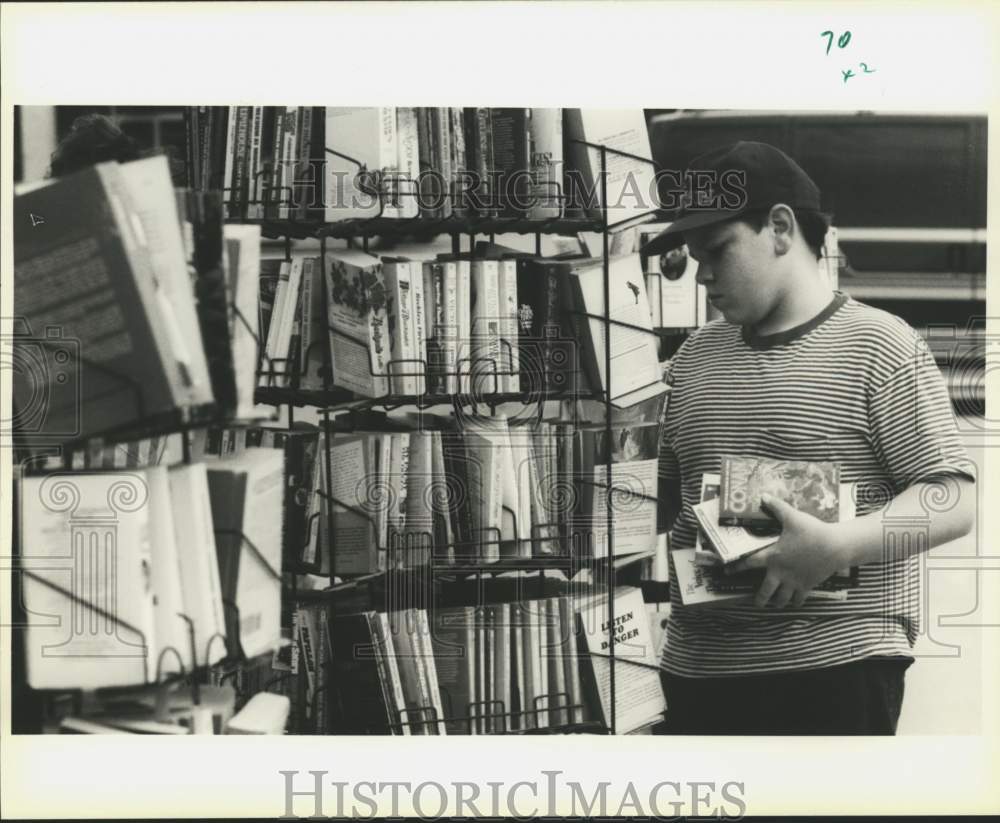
[
  {"x": 408, "y": 162},
  {"x": 87, "y": 587},
  {"x": 168, "y": 596},
  {"x": 243, "y": 242},
  {"x": 155, "y": 207},
  {"x": 630, "y": 182},
  {"x": 247, "y": 496},
  {"x": 199, "y": 564},
  {"x": 635, "y": 373},
  {"x": 487, "y": 364},
  {"x": 400, "y": 310},
  {"x": 369, "y": 137},
  {"x": 638, "y": 693}
]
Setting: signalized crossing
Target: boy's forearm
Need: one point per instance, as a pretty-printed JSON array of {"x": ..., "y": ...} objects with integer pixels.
[{"x": 862, "y": 540}]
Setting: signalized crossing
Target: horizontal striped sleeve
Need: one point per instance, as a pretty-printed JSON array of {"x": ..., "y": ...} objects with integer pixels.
[{"x": 913, "y": 428}]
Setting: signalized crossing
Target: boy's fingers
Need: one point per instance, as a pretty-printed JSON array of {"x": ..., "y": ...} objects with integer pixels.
[{"x": 766, "y": 591}]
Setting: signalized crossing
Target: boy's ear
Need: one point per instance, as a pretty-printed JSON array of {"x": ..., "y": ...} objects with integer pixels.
[{"x": 781, "y": 221}]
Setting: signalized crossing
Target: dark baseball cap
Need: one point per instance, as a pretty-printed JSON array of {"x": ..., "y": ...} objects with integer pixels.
[{"x": 733, "y": 180}]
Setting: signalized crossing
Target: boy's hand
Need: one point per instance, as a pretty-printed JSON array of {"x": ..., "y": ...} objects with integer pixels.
[{"x": 805, "y": 555}]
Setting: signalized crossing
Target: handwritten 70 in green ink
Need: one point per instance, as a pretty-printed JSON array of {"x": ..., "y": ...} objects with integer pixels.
[{"x": 842, "y": 41}]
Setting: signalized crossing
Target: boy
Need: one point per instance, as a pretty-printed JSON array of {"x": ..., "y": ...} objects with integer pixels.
[{"x": 797, "y": 371}]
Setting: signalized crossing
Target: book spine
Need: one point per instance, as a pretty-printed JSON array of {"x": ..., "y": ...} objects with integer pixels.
[
  {"x": 399, "y": 285},
  {"x": 421, "y": 366},
  {"x": 427, "y": 660},
  {"x": 254, "y": 209},
  {"x": 409, "y": 162},
  {"x": 303, "y": 169},
  {"x": 228, "y": 183},
  {"x": 508, "y": 328},
  {"x": 486, "y": 165},
  {"x": 546, "y": 163},
  {"x": 272, "y": 186},
  {"x": 395, "y": 682},
  {"x": 192, "y": 146},
  {"x": 442, "y": 157},
  {"x": 240, "y": 163},
  {"x": 450, "y": 334},
  {"x": 465, "y": 351},
  {"x": 456, "y": 134}
]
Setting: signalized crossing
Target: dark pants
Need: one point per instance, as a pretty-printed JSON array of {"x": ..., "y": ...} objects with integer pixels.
[{"x": 856, "y": 698}]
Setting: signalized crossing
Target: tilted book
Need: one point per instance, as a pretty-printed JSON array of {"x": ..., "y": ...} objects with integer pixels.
[
  {"x": 357, "y": 318},
  {"x": 634, "y": 373},
  {"x": 630, "y": 182},
  {"x": 247, "y": 497},
  {"x": 95, "y": 339}
]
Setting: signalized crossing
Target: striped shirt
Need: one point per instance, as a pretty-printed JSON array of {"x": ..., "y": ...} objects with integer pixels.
[{"x": 854, "y": 385}]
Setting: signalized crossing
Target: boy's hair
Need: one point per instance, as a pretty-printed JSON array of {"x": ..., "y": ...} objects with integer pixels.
[
  {"x": 813, "y": 224},
  {"x": 92, "y": 139}
]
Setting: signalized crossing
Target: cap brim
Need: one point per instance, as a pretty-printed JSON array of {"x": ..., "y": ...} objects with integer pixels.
[{"x": 673, "y": 236}]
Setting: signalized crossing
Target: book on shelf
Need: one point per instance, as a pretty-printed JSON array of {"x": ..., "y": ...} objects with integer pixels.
[
  {"x": 357, "y": 318},
  {"x": 453, "y": 642},
  {"x": 634, "y": 373},
  {"x": 487, "y": 366},
  {"x": 171, "y": 632},
  {"x": 247, "y": 497},
  {"x": 632, "y": 454},
  {"x": 629, "y": 182},
  {"x": 200, "y": 580},
  {"x": 301, "y": 508},
  {"x": 355, "y": 188},
  {"x": 87, "y": 539},
  {"x": 243, "y": 256},
  {"x": 97, "y": 326},
  {"x": 408, "y": 149},
  {"x": 676, "y": 299},
  {"x": 545, "y": 128},
  {"x": 207, "y": 255},
  {"x": 511, "y": 160},
  {"x": 638, "y": 694},
  {"x": 405, "y": 367}
]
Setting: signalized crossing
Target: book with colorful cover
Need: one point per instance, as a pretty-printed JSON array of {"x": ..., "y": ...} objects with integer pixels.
[{"x": 809, "y": 486}]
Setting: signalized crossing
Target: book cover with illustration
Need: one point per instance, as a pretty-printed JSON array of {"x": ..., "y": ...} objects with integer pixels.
[{"x": 809, "y": 486}]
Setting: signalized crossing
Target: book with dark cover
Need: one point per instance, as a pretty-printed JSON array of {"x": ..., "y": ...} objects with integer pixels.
[
  {"x": 810, "y": 486},
  {"x": 364, "y": 700},
  {"x": 511, "y": 146},
  {"x": 91, "y": 336},
  {"x": 203, "y": 210},
  {"x": 544, "y": 346}
]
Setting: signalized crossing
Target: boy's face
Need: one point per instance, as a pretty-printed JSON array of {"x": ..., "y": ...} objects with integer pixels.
[{"x": 739, "y": 268}]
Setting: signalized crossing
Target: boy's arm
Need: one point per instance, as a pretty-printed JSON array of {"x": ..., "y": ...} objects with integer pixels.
[{"x": 809, "y": 551}]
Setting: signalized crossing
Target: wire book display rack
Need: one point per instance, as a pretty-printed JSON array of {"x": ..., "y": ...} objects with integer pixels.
[{"x": 551, "y": 548}]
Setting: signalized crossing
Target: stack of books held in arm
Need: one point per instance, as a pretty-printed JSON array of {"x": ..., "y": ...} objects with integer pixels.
[{"x": 733, "y": 524}]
